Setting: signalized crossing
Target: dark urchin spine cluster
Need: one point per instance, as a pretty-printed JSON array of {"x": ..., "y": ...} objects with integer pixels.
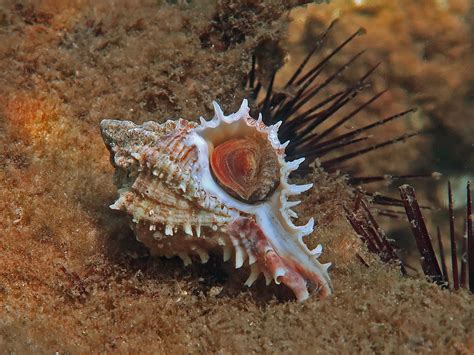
[
  {"x": 303, "y": 107},
  {"x": 302, "y": 113},
  {"x": 429, "y": 262}
]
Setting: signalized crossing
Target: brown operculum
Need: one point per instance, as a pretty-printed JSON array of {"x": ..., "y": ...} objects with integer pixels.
[{"x": 245, "y": 168}]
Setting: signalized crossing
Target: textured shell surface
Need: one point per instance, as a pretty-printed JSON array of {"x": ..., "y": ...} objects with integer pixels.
[{"x": 193, "y": 189}]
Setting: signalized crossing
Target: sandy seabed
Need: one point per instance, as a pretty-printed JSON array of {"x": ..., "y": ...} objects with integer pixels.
[{"x": 74, "y": 279}]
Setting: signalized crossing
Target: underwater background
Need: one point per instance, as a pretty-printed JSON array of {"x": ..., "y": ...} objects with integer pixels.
[{"x": 73, "y": 278}]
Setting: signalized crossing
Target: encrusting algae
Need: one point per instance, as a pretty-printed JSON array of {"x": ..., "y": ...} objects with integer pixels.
[{"x": 74, "y": 278}]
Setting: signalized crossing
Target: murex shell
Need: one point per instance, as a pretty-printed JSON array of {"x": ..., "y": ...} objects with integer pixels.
[{"x": 222, "y": 184}]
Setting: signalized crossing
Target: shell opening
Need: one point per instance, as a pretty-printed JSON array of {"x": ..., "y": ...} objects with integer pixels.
[
  {"x": 246, "y": 168},
  {"x": 243, "y": 158}
]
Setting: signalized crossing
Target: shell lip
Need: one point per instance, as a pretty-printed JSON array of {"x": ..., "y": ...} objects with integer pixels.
[
  {"x": 278, "y": 262},
  {"x": 271, "y": 215}
]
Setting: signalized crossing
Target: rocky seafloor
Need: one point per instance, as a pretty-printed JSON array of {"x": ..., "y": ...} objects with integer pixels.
[{"x": 74, "y": 279}]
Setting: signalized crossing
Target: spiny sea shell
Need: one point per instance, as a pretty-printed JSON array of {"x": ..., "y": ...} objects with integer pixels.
[{"x": 179, "y": 206}]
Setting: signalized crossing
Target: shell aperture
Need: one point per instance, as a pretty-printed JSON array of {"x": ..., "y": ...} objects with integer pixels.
[
  {"x": 246, "y": 168},
  {"x": 221, "y": 185}
]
